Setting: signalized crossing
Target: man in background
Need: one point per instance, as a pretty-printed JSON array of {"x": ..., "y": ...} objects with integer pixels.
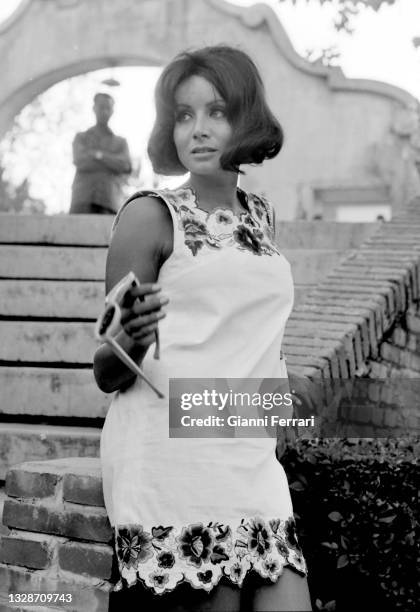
[{"x": 101, "y": 159}]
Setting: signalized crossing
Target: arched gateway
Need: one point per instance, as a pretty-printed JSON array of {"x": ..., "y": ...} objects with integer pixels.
[{"x": 346, "y": 140}]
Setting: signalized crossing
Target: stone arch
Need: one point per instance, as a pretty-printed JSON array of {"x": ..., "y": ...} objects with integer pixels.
[
  {"x": 23, "y": 95},
  {"x": 84, "y": 36}
]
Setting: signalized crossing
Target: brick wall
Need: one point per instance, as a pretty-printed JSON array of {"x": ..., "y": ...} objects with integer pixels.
[
  {"x": 362, "y": 323},
  {"x": 399, "y": 354},
  {"x": 387, "y": 400},
  {"x": 59, "y": 534}
]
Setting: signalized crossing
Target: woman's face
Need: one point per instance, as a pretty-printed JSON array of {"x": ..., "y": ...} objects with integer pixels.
[{"x": 201, "y": 130}]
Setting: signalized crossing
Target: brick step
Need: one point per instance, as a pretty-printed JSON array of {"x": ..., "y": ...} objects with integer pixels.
[
  {"x": 60, "y": 537},
  {"x": 22, "y": 442},
  {"x": 310, "y": 266},
  {"x": 72, "y": 342},
  {"x": 64, "y": 299},
  {"x": 54, "y": 262},
  {"x": 44, "y": 341},
  {"x": 87, "y": 594},
  {"x": 88, "y": 230},
  {"x": 74, "y": 521},
  {"x": 76, "y": 479},
  {"x": 80, "y": 230},
  {"x": 6, "y": 606},
  {"x": 51, "y": 392},
  {"x": 325, "y": 235},
  {"x": 83, "y": 263},
  {"x": 4, "y": 530},
  {"x": 301, "y": 291},
  {"x": 47, "y": 298}
]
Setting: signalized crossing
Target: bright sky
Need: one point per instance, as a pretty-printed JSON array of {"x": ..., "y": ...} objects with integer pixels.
[{"x": 380, "y": 49}]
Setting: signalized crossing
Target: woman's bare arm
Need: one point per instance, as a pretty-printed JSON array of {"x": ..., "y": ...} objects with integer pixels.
[{"x": 142, "y": 241}]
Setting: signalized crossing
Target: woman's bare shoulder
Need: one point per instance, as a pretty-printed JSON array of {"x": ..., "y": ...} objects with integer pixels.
[
  {"x": 142, "y": 239},
  {"x": 144, "y": 211}
]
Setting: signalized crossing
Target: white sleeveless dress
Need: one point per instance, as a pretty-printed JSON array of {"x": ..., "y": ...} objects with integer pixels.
[{"x": 198, "y": 509}]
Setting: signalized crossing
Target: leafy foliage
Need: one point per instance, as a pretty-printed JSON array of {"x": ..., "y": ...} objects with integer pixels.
[
  {"x": 37, "y": 150},
  {"x": 327, "y": 56},
  {"x": 356, "y": 505},
  {"x": 346, "y": 9},
  {"x": 38, "y": 146},
  {"x": 17, "y": 199}
]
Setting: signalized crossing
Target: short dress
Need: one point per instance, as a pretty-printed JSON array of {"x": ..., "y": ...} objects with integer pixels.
[{"x": 198, "y": 509}]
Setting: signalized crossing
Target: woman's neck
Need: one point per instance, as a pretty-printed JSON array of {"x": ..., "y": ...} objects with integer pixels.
[{"x": 214, "y": 192}]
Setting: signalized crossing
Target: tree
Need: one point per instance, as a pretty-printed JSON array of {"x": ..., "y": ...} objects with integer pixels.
[
  {"x": 38, "y": 147},
  {"x": 346, "y": 9},
  {"x": 18, "y": 199},
  {"x": 327, "y": 56},
  {"x": 36, "y": 152}
]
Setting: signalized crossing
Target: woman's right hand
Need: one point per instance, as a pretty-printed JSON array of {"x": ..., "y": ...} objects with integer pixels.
[{"x": 140, "y": 320}]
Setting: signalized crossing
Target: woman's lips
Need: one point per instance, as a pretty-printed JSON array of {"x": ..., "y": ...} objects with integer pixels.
[
  {"x": 202, "y": 150},
  {"x": 203, "y": 155}
]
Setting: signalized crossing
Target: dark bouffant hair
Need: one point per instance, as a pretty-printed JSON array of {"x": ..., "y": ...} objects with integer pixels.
[{"x": 257, "y": 135}]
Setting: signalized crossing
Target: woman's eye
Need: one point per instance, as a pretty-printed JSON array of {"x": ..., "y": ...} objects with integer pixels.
[
  {"x": 182, "y": 116},
  {"x": 218, "y": 113}
]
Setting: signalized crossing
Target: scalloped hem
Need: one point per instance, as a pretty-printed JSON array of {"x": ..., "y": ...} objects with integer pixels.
[
  {"x": 120, "y": 585},
  {"x": 201, "y": 556}
]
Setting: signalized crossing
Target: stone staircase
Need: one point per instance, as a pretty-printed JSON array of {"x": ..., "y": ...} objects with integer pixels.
[
  {"x": 51, "y": 287},
  {"x": 51, "y": 290}
]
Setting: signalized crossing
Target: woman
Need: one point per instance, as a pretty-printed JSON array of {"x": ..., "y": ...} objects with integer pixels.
[{"x": 197, "y": 518}]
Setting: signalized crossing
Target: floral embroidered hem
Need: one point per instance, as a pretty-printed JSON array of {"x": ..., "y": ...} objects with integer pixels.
[{"x": 201, "y": 554}]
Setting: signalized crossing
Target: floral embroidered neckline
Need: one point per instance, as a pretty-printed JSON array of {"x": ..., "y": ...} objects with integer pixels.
[
  {"x": 242, "y": 195},
  {"x": 250, "y": 230}
]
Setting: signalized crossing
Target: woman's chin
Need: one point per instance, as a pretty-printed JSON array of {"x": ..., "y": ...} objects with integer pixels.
[{"x": 205, "y": 169}]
